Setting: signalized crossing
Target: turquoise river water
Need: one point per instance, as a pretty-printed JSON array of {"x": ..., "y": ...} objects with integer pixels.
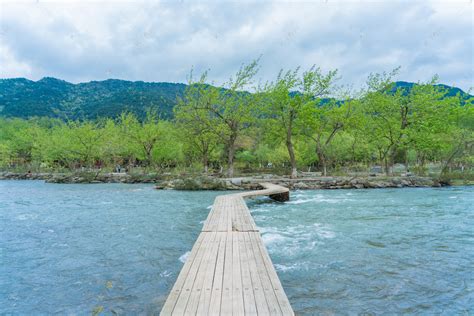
[{"x": 115, "y": 248}]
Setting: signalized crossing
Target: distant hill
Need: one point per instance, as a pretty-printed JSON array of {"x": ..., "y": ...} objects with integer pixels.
[
  {"x": 109, "y": 98},
  {"x": 52, "y": 97},
  {"x": 451, "y": 91}
]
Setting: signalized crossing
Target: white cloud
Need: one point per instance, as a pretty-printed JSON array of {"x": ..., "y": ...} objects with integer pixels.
[{"x": 161, "y": 41}]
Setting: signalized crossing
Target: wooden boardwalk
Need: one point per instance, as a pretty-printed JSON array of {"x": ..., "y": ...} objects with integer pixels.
[{"x": 229, "y": 271}]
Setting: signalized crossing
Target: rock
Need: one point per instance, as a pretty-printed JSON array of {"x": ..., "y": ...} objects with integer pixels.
[
  {"x": 236, "y": 181},
  {"x": 405, "y": 183},
  {"x": 300, "y": 186},
  {"x": 160, "y": 186},
  {"x": 204, "y": 183},
  {"x": 396, "y": 181}
]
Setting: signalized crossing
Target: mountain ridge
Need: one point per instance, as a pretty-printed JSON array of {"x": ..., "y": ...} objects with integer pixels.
[{"x": 57, "y": 98}]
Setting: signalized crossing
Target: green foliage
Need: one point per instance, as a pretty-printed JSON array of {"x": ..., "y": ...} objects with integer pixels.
[
  {"x": 213, "y": 115},
  {"x": 290, "y": 100},
  {"x": 127, "y": 142},
  {"x": 299, "y": 120}
]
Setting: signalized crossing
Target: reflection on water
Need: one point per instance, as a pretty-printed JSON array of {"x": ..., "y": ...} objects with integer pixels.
[{"x": 74, "y": 249}]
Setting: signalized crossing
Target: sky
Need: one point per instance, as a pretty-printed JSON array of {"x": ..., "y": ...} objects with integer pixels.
[{"x": 161, "y": 41}]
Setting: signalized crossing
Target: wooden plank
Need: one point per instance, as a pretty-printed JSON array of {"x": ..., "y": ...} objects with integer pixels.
[
  {"x": 272, "y": 302},
  {"x": 260, "y": 300},
  {"x": 222, "y": 218},
  {"x": 185, "y": 293},
  {"x": 205, "y": 298},
  {"x": 248, "y": 293},
  {"x": 239, "y": 222},
  {"x": 174, "y": 294},
  {"x": 237, "y": 290},
  {"x": 250, "y": 223},
  {"x": 206, "y": 264},
  {"x": 209, "y": 218},
  {"x": 226, "y": 302},
  {"x": 216, "y": 294},
  {"x": 277, "y": 287},
  {"x": 230, "y": 217}
]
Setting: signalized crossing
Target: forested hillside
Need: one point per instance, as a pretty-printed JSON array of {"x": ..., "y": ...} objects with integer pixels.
[
  {"x": 51, "y": 97},
  {"x": 56, "y": 98}
]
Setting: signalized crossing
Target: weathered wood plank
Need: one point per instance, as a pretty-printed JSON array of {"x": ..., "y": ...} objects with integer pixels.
[
  {"x": 247, "y": 286},
  {"x": 267, "y": 287},
  {"x": 206, "y": 264},
  {"x": 226, "y": 302},
  {"x": 205, "y": 298},
  {"x": 178, "y": 285},
  {"x": 237, "y": 291},
  {"x": 191, "y": 277},
  {"x": 275, "y": 281},
  {"x": 216, "y": 293},
  {"x": 260, "y": 301}
]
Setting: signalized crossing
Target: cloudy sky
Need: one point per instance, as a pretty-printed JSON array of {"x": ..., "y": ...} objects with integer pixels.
[{"x": 161, "y": 41}]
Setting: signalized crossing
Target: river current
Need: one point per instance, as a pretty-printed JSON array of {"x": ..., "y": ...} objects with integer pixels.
[{"x": 117, "y": 249}]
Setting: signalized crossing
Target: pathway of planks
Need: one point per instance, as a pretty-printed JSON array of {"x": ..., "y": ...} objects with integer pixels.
[{"x": 229, "y": 271}]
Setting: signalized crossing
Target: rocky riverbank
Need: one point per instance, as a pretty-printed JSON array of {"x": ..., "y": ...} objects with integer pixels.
[
  {"x": 82, "y": 177},
  {"x": 299, "y": 183},
  {"x": 215, "y": 183}
]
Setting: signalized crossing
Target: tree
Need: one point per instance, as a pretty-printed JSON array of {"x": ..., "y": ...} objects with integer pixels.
[
  {"x": 224, "y": 111},
  {"x": 142, "y": 135},
  {"x": 87, "y": 141},
  {"x": 19, "y": 137},
  {"x": 322, "y": 122},
  {"x": 289, "y": 97},
  {"x": 458, "y": 140},
  {"x": 400, "y": 119},
  {"x": 195, "y": 121}
]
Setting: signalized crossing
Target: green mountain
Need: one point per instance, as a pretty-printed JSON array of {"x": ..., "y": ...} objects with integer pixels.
[
  {"x": 450, "y": 91},
  {"x": 52, "y": 97},
  {"x": 109, "y": 98}
]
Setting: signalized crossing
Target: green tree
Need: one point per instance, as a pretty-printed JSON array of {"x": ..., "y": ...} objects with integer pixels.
[
  {"x": 291, "y": 95},
  {"x": 87, "y": 141},
  {"x": 142, "y": 136},
  {"x": 224, "y": 111},
  {"x": 322, "y": 122},
  {"x": 458, "y": 140},
  {"x": 195, "y": 121}
]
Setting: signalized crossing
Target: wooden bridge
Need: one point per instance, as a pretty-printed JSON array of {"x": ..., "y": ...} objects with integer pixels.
[{"x": 229, "y": 271}]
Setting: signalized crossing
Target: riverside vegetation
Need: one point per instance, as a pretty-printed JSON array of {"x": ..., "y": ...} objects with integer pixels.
[{"x": 299, "y": 123}]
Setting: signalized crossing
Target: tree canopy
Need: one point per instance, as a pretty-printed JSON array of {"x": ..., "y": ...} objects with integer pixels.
[{"x": 301, "y": 120}]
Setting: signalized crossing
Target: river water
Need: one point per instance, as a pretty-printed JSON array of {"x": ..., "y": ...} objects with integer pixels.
[{"x": 115, "y": 248}]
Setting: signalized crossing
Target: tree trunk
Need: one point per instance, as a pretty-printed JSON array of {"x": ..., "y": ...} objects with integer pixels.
[
  {"x": 230, "y": 156},
  {"x": 422, "y": 164},
  {"x": 205, "y": 162},
  {"x": 406, "y": 162},
  {"x": 322, "y": 159},
  {"x": 230, "y": 167},
  {"x": 291, "y": 153},
  {"x": 148, "y": 150}
]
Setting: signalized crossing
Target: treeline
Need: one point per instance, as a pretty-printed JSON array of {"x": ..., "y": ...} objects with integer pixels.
[{"x": 300, "y": 121}]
